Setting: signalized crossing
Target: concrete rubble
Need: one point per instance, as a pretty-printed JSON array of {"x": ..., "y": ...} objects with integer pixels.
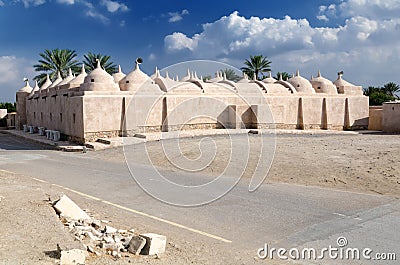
[
  {"x": 67, "y": 208},
  {"x": 73, "y": 257},
  {"x": 98, "y": 237},
  {"x": 155, "y": 244}
]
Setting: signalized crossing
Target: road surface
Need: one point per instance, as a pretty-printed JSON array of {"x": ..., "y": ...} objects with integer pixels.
[{"x": 281, "y": 215}]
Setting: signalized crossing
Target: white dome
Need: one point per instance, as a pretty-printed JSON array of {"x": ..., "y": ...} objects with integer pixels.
[
  {"x": 57, "y": 81},
  {"x": 269, "y": 79},
  {"x": 99, "y": 75},
  {"x": 36, "y": 88},
  {"x": 341, "y": 82},
  {"x": 134, "y": 79},
  {"x": 323, "y": 85},
  {"x": 118, "y": 76},
  {"x": 301, "y": 84},
  {"x": 27, "y": 88},
  {"x": 67, "y": 79},
  {"x": 79, "y": 79},
  {"x": 46, "y": 84}
]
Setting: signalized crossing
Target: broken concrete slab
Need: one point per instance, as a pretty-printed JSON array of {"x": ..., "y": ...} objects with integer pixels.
[
  {"x": 155, "y": 244},
  {"x": 73, "y": 257},
  {"x": 67, "y": 208},
  {"x": 110, "y": 230},
  {"x": 136, "y": 244}
]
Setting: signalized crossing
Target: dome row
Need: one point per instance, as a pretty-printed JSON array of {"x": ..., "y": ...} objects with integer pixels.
[{"x": 100, "y": 80}]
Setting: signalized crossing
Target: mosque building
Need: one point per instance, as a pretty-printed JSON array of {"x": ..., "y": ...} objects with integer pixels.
[{"x": 90, "y": 106}]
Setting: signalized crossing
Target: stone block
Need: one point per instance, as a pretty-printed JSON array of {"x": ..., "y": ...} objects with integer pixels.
[
  {"x": 73, "y": 257},
  {"x": 67, "y": 208},
  {"x": 155, "y": 244},
  {"x": 136, "y": 244}
]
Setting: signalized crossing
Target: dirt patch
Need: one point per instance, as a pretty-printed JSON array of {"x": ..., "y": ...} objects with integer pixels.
[
  {"x": 31, "y": 230},
  {"x": 365, "y": 163}
]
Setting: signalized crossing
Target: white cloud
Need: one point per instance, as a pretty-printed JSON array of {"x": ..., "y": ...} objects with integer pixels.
[
  {"x": 113, "y": 6},
  {"x": 179, "y": 41},
  {"x": 322, "y": 17},
  {"x": 68, "y": 2},
  {"x": 98, "y": 16},
  {"x": 152, "y": 57},
  {"x": 1, "y": 3},
  {"x": 357, "y": 46},
  {"x": 12, "y": 70},
  {"x": 28, "y": 3},
  {"x": 177, "y": 16},
  {"x": 372, "y": 9},
  {"x": 122, "y": 23}
]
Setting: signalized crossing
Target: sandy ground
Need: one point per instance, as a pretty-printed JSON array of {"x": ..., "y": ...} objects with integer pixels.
[
  {"x": 367, "y": 163},
  {"x": 30, "y": 229}
]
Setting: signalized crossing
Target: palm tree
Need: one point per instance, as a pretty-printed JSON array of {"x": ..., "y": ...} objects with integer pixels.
[
  {"x": 256, "y": 65},
  {"x": 285, "y": 76},
  {"x": 230, "y": 75},
  {"x": 54, "y": 61},
  {"x": 391, "y": 89},
  {"x": 90, "y": 62}
]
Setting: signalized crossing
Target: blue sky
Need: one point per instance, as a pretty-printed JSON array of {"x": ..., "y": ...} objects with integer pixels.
[{"x": 360, "y": 37}]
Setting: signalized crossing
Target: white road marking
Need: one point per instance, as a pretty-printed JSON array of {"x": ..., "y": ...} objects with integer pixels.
[
  {"x": 134, "y": 211},
  {"x": 347, "y": 216}
]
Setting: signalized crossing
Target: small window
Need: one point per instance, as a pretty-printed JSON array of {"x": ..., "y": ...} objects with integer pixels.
[
  {"x": 51, "y": 117},
  {"x": 61, "y": 117},
  {"x": 92, "y": 80},
  {"x": 41, "y": 115},
  {"x": 319, "y": 87},
  {"x": 298, "y": 85},
  {"x": 34, "y": 115},
  {"x": 127, "y": 81},
  {"x": 73, "y": 118}
]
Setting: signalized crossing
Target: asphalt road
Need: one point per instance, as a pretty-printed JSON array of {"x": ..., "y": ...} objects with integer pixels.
[{"x": 281, "y": 215}]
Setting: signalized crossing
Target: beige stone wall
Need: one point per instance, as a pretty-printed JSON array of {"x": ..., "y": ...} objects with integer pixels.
[
  {"x": 391, "y": 117},
  {"x": 89, "y": 115},
  {"x": 61, "y": 111},
  {"x": 21, "y": 119},
  {"x": 375, "y": 118}
]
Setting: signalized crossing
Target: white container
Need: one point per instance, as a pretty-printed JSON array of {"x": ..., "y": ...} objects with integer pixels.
[
  {"x": 25, "y": 128},
  {"x": 41, "y": 131},
  {"x": 56, "y": 136},
  {"x": 31, "y": 129}
]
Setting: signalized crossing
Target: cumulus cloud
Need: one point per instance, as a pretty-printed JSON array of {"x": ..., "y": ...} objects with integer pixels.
[
  {"x": 12, "y": 70},
  {"x": 113, "y": 6},
  {"x": 177, "y": 16},
  {"x": 1, "y": 3},
  {"x": 372, "y": 9},
  {"x": 358, "y": 45},
  {"x": 179, "y": 41}
]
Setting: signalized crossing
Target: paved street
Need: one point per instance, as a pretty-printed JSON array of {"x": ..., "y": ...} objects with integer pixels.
[{"x": 282, "y": 215}]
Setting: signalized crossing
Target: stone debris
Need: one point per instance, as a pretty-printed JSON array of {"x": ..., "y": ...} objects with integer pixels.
[
  {"x": 67, "y": 208},
  {"x": 155, "y": 244},
  {"x": 98, "y": 237},
  {"x": 136, "y": 245},
  {"x": 73, "y": 257}
]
